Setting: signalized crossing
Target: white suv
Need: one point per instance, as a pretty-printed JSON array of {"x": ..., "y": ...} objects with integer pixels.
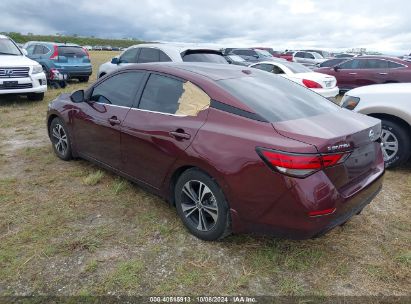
[
  {"x": 161, "y": 52},
  {"x": 19, "y": 74}
]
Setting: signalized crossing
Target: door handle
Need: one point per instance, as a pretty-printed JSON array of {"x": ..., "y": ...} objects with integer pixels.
[
  {"x": 114, "y": 121},
  {"x": 180, "y": 134},
  {"x": 383, "y": 73},
  {"x": 352, "y": 73}
]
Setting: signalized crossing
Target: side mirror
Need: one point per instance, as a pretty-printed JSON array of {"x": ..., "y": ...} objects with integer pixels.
[
  {"x": 77, "y": 96},
  {"x": 337, "y": 68},
  {"x": 24, "y": 51},
  {"x": 115, "y": 60}
]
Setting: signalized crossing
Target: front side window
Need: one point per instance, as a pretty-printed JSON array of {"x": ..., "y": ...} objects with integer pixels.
[
  {"x": 351, "y": 64},
  {"x": 149, "y": 55},
  {"x": 129, "y": 56},
  {"x": 119, "y": 89},
  {"x": 173, "y": 96}
]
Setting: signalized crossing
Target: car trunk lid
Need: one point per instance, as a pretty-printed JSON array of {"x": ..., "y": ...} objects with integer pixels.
[{"x": 333, "y": 132}]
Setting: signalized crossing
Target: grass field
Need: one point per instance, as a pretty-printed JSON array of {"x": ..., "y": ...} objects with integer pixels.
[{"x": 70, "y": 228}]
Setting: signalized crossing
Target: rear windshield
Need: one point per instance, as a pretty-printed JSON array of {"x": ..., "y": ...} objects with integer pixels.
[
  {"x": 71, "y": 51},
  {"x": 204, "y": 57},
  {"x": 276, "y": 98}
]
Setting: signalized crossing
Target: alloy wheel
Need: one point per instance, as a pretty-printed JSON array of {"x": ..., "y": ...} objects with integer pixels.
[
  {"x": 60, "y": 139},
  {"x": 389, "y": 144},
  {"x": 199, "y": 205}
]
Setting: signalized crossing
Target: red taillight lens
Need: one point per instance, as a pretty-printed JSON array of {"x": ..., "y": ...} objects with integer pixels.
[
  {"x": 321, "y": 212},
  {"x": 300, "y": 165},
  {"x": 312, "y": 84},
  {"x": 55, "y": 54},
  {"x": 85, "y": 50}
]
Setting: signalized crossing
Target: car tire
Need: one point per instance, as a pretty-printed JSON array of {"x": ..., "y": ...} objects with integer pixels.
[
  {"x": 35, "y": 96},
  {"x": 208, "y": 218},
  {"x": 396, "y": 143},
  {"x": 84, "y": 79},
  {"x": 60, "y": 139}
]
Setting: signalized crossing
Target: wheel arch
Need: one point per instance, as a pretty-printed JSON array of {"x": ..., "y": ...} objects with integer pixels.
[{"x": 392, "y": 118}]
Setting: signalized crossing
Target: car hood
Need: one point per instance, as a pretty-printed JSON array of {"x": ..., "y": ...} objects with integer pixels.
[{"x": 16, "y": 61}]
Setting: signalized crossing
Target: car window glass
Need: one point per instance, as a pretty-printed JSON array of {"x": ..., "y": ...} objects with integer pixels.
[
  {"x": 375, "y": 64},
  {"x": 30, "y": 49},
  {"x": 264, "y": 67},
  {"x": 119, "y": 89},
  {"x": 164, "y": 57},
  {"x": 351, "y": 64},
  {"x": 38, "y": 50},
  {"x": 129, "y": 56},
  {"x": 394, "y": 65},
  {"x": 169, "y": 95},
  {"x": 299, "y": 54},
  {"x": 149, "y": 55},
  {"x": 309, "y": 56},
  {"x": 277, "y": 70}
]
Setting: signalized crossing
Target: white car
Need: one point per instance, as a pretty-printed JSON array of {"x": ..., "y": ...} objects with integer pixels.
[
  {"x": 159, "y": 52},
  {"x": 310, "y": 59},
  {"x": 19, "y": 74},
  {"x": 322, "y": 84},
  {"x": 391, "y": 103}
]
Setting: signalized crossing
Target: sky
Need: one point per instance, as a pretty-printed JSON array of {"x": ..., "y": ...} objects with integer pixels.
[{"x": 380, "y": 25}]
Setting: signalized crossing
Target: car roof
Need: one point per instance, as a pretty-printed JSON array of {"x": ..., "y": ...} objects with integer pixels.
[
  {"x": 174, "y": 50},
  {"x": 212, "y": 71}
]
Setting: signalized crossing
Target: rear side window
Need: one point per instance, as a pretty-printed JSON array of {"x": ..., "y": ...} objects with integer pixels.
[
  {"x": 118, "y": 90},
  {"x": 173, "y": 96},
  {"x": 277, "y": 99},
  {"x": 299, "y": 54},
  {"x": 309, "y": 56},
  {"x": 129, "y": 56},
  {"x": 375, "y": 64},
  {"x": 71, "y": 51},
  {"x": 264, "y": 67},
  {"x": 164, "y": 57},
  {"x": 40, "y": 50},
  {"x": 204, "y": 57},
  {"x": 394, "y": 65},
  {"x": 149, "y": 55}
]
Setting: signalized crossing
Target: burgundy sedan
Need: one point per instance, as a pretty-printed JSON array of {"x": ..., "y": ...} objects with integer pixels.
[
  {"x": 366, "y": 70},
  {"x": 234, "y": 149}
]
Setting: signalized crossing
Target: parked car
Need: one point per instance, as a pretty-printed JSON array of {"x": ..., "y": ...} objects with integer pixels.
[
  {"x": 19, "y": 74},
  {"x": 289, "y": 55},
  {"x": 310, "y": 59},
  {"x": 252, "y": 55},
  {"x": 322, "y": 84},
  {"x": 213, "y": 139},
  {"x": 324, "y": 54},
  {"x": 69, "y": 60},
  {"x": 97, "y": 48},
  {"x": 344, "y": 55},
  {"x": 365, "y": 70},
  {"x": 270, "y": 50},
  {"x": 88, "y": 47},
  {"x": 392, "y": 104},
  {"x": 144, "y": 53},
  {"x": 331, "y": 62},
  {"x": 115, "y": 48},
  {"x": 237, "y": 60}
]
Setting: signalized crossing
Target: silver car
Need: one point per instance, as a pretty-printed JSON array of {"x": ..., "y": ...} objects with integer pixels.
[{"x": 310, "y": 59}]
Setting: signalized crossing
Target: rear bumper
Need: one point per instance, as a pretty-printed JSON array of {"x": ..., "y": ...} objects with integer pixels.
[
  {"x": 327, "y": 93},
  {"x": 288, "y": 216},
  {"x": 74, "y": 73}
]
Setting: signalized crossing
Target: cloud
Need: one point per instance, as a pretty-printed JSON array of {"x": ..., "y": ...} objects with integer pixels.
[{"x": 282, "y": 24}]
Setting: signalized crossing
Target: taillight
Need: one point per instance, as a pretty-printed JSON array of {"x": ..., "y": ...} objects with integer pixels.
[
  {"x": 311, "y": 84},
  {"x": 300, "y": 165},
  {"x": 88, "y": 55},
  {"x": 322, "y": 212},
  {"x": 55, "y": 54}
]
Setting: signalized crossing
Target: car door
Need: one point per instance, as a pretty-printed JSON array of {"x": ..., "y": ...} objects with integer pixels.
[
  {"x": 163, "y": 125},
  {"x": 309, "y": 59},
  {"x": 148, "y": 55},
  {"x": 347, "y": 73},
  {"x": 373, "y": 71},
  {"x": 97, "y": 123}
]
